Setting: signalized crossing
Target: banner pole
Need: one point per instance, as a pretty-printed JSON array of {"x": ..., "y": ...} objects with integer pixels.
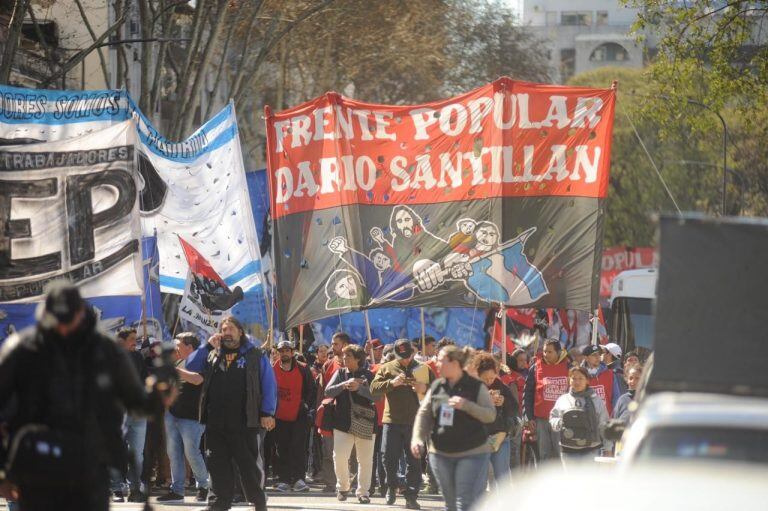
[
  {"x": 423, "y": 332},
  {"x": 503, "y": 311},
  {"x": 367, "y": 325},
  {"x": 595, "y": 325},
  {"x": 144, "y": 314},
  {"x": 301, "y": 338},
  {"x": 493, "y": 332}
]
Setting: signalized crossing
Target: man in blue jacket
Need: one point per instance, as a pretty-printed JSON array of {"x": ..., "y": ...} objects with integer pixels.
[{"x": 238, "y": 400}]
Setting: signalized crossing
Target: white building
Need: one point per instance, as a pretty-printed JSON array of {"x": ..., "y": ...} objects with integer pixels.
[{"x": 583, "y": 34}]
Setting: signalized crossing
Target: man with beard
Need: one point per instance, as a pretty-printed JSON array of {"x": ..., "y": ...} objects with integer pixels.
[
  {"x": 71, "y": 385},
  {"x": 296, "y": 396},
  {"x": 238, "y": 400}
]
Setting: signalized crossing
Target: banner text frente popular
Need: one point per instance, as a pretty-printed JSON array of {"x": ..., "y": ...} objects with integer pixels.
[{"x": 504, "y": 139}]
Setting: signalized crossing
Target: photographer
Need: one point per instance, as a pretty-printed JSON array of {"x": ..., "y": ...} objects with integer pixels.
[{"x": 71, "y": 385}]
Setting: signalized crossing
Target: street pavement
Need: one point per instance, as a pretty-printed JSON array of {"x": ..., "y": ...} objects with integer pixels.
[{"x": 313, "y": 500}]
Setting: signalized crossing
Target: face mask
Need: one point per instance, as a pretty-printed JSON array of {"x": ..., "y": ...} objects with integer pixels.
[{"x": 230, "y": 343}]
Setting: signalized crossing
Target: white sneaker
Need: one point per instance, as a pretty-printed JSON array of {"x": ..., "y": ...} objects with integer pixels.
[
  {"x": 283, "y": 487},
  {"x": 300, "y": 485}
]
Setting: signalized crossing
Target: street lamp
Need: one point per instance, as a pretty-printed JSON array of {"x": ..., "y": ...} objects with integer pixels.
[
  {"x": 743, "y": 182},
  {"x": 725, "y": 144}
]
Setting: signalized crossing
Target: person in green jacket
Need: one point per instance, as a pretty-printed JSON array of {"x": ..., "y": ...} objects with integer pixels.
[{"x": 403, "y": 382}]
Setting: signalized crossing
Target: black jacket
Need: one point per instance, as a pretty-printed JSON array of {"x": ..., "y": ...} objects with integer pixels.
[
  {"x": 506, "y": 414},
  {"x": 81, "y": 384},
  {"x": 342, "y": 418}
]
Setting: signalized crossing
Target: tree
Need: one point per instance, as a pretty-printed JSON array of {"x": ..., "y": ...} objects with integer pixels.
[
  {"x": 636, "y": 192},
  {"x": 713, "y": 52}
]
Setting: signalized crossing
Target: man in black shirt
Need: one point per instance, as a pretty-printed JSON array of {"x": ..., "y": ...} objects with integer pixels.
[
  {"x": 238, "y": 400},
  {"x": 135, "y": 429},
  {"x": 72, "y": 383},
  {"x": 183, "y": 430}
]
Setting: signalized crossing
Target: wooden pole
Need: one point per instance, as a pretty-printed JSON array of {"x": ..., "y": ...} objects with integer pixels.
[
  {"x": 493, "y": 334},
  {"x": 367, "y": 326},
  {"x": 595, "y": 325},
  {"x": 423, "y": 332},
  {"x": 301, "y": 338},
  {"x": 503, "y": 311}
]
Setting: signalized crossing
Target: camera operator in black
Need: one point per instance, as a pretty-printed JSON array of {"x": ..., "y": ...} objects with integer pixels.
[{"x": 72, "y": 383}]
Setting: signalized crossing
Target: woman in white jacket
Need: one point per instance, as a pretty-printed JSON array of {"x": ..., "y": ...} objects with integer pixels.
[{"x": 579, "y": 416}]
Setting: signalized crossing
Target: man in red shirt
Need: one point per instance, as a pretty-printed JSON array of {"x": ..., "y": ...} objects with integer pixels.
[
  {"x": 295, "y": 397},
  {"x": 547, "y": 380}
]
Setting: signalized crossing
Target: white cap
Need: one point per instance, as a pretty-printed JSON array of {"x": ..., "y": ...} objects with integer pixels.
[{"x": 614, "y": 349}]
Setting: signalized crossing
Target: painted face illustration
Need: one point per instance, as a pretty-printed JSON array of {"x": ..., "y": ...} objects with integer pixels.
[
  {"x": 346, "y": 288},
  {"x": 486, "y": 236},
  {"x": 404, "y": 223},
  {"x": 381, "y": 261},
  {"x": 467, "y": 227}
]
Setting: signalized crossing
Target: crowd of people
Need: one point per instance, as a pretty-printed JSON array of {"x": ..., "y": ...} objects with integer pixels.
[{"x": 387, "y": 421}]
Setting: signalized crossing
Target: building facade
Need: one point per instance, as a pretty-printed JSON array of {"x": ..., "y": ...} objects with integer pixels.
[{"x": 584, "y": 34}]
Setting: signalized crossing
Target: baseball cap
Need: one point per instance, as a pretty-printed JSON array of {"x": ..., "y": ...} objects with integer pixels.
[
  {"x": 62, "y": 301},
  {"x": 590, "y": 349},
  {"x": 285, "y": 345},
  {"x": 403, "y": 348},
  {"x": 614, "y": 349},
  {"x": 376, "y": 344}
]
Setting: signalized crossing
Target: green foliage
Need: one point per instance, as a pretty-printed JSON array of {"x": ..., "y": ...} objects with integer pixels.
[
  {"x": 636, "y": 193},
  {"x": 714, "y": 52}
]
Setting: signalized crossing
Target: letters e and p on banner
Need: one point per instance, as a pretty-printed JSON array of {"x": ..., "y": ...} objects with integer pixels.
[
  {"x": 493, "y": 197},
  {"x": 70, "y": 210}
]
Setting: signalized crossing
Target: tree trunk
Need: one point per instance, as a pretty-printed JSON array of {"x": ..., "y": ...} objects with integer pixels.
[
  {"x": 14, "y": 32},
  {"x": 192, "y": 100},
  {"x": 102, "y": 60}
]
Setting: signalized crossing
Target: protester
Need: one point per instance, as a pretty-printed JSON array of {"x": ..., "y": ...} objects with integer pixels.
[
  {"x": 578, "y": 416},
  {"x": 296, "y": 396},
  {"x": 134, "y": 430},
  {"x": 401, "y": 381},
  {"x": 505, "y": 424},
  {"x": 452, "y": 421},
  {"x": 601, "y": 379},
  {"x": 67, "y": 377},
  {"x": 183, "y": 430},
  {"x": 239, "y": 396},
  {"x": 354, "y": 421},
  {"x": 630, "y": 359},
  {"x": 547, "y": 380},
  {"x": 376, "y": 349},
  {"x": 338, "y": 342},
  {"x": 611, "y": 357},
  {"x": 622, "y": 409}
]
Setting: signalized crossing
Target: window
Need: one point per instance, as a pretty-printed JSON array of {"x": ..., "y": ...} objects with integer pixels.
[
  {"x": 601, "y": 18},
  {"x": 609, "y": 52},
  {"x": 567, "y": 63},
  {"x": 576, "y": 18}
]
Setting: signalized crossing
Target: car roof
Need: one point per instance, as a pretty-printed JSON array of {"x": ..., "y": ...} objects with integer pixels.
[
  {"x": 679, "y": 486},
  {"x": 693, "y": 408}
]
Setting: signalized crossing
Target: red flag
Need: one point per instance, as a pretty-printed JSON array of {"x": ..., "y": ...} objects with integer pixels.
[{"x": 199, "y": 265}]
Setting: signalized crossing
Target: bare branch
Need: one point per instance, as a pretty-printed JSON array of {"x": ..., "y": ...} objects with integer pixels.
[
  {"x": 80, "y": 56},
  {"x": 14, "y": 32},
  {"x": 102, "y": 60}
]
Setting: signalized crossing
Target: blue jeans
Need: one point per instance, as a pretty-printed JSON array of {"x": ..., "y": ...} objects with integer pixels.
[
  {"x": 461, "y": 479},
  {"x": 500, "y": 462},
  {"x": 135, "y": 433},
  {"x": 183, "y": 439},
  {"x": 395, "y": 443}
]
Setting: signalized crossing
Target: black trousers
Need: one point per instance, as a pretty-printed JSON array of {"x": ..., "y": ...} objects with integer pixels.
[
  {"x": 222, "y": 447},
  {"x": 93, "y": 496},
  {"x": 378, "y": 473},
  {"x": 291, "y": 450},
  {"x": 395, "y": 444}
]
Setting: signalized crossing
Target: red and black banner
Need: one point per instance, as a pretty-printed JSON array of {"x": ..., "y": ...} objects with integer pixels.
[{"x": 493, "y": 197}]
